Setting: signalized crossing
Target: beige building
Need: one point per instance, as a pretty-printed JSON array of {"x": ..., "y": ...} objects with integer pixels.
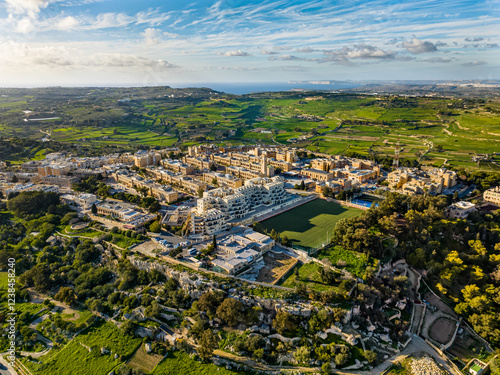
[
  {"x": 198, "y": 162},
  {"x": 177, "y": 166},
  {"x": 226, "y": 180},
  {"x": 492, "y": 195},
  {"x": 146, "y": 159},
  {"x": 317, "y": 174},
  {"x": 54, "y": 170}
]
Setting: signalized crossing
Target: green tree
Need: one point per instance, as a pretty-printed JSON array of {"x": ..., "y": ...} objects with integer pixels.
[
  {"x": 93, "y": 209},
  {"x": 370, "y": 356},
  {"x": 155, "y": 227},
  {"x": 207, "y": 345},
  {"x": 326, "y": 368},
  {"x": 284, "y": 321},
  {"x": 66, "y": 295},
  {"x": 302, "y": 355},
  {"x": 230, "y": 311},
  {"x": 128, "y": 327}
]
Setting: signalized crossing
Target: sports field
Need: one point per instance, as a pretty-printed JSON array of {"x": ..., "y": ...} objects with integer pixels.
[{"x": 311, "y": 224}]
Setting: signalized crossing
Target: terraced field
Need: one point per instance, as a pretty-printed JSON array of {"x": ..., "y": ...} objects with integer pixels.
[{"x": 431, "y": 130}]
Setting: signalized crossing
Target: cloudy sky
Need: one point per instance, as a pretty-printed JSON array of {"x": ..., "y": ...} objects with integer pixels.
[{"x": 149, "y": 42}]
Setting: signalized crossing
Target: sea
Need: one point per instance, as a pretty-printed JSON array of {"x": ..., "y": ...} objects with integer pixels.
[{"x": 248, "y": 88}]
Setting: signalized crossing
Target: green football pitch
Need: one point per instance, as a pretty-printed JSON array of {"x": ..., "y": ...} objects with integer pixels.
[{"x": 311, "y": 224}]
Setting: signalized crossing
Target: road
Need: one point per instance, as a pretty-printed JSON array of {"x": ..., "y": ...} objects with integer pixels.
[{"x": 5, "y": 368}]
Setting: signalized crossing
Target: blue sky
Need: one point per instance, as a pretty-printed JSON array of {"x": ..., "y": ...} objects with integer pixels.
[{"x": 149, "y": 42}]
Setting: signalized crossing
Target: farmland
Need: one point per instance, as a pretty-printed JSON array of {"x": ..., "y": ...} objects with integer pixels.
[
  {"x": 308, "y": 225},
  {"x": 432, "y": 130},
  {"x": 83, "y": 354}
]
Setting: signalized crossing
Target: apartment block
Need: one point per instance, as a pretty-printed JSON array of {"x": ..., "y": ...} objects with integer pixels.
[{"x": 492, "y": 195}]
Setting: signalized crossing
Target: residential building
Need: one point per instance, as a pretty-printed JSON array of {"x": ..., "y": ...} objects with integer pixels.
[
  {"x": 223, "y": 180},
  {"x": 240, "y": 202},
  {"x": 317, "y": 174},
  {"x": 492, "y": 195},
  {"x": 460, "y": 210},
  {"x": 146, "y": 159}
]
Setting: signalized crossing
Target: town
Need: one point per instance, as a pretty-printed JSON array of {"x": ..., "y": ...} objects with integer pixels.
[{"x": 223, "y": 225}]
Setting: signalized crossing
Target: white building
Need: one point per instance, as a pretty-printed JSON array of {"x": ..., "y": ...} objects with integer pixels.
[
  {"x": 240, "y": 202},
  {"x": 460, "y": 210}
]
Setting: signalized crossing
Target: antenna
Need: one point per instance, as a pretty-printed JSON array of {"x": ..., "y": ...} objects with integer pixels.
[{"x": 395, "y": 162}]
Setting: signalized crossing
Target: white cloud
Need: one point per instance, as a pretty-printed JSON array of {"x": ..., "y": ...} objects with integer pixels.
[
  {"x": 437, "y": 60},
  {"x": 24, "y": 26},
  {"x": 474, "y": 63},
  {"x": 362, "y": 51},
  {"x": 29, "y": 7},
  {"x": 151, "y": 36},
  {"x": 22, "y": 55},
  {"x": 233, "y": 53},
  {"x": 417, "y": 46},
  {"x": 67, "y": 23}
]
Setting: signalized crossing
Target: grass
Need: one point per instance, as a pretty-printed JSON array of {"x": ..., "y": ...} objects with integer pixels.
[
  {"x": 144, "y": 361},
  {"x": 75, "y": 358},
  {"x": 309, "y": 275},
  {"x": 179, "y": 363},
  {"x": 308, "y": 225},
  {"x": 157, "y": 120},
  {"x": 351, "y": 261}
]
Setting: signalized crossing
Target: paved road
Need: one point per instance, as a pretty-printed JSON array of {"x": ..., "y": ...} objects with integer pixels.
[
  {"x": 5, "y": 368},
  {"x": 417, "y": 345}
]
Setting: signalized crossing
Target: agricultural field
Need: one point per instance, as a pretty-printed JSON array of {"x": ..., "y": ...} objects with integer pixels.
[
  {"x": 309, "y": 224},
  {"x": 180, "y": 363},
  {"x": 83, "y": 354},
  {"x": 436, "y": 131}
]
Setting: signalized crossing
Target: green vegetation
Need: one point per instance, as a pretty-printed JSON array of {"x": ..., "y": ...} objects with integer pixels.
[
  {"x": 83, "y": 354},
  {"x": 179, "y": 363},
  {"x": 110, "y": 120},
  {"x": 311, "y": 224},
  {"x": 351, "y": 261}
]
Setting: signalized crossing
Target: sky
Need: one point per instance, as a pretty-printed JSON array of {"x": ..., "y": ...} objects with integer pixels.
[{"x": 175, "y": 42}]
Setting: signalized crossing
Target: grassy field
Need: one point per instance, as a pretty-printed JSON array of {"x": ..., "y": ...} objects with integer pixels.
[
  {"x": 309, "y": 275},
  {"x": 179, "y": 363},
  {"x": 351, "y": 261},
  {"x": 143, "y": 361},
  {"x": 308, "y": 225},
  {"x": 127, "y": 118},
  {"x": 76, "y": 358}
]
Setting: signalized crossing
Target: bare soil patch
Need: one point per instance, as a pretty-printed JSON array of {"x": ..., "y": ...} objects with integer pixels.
[
  {"x": 442, "y": 330},
  {"x": 276, "y": 265}
]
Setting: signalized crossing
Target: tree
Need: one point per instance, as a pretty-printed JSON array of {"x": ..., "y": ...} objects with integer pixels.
[
  {"x": 154, "y": 207},
  {"x": 326, "y": 368},
  {"x": 370, "y": 356},
  {"x": 230, "y": 311},
  {"x": 213, "y": 167},
  {"x": 302, "y": 185},
  {"x": 283, "y": 322},
  {"x": 207, "y": 345},
  {"x": 66, "y": 295},
  {"x": 341, "y": 358},
  {"x": 128, "y": 327},
  {"x": 93, "y": 209},
  {"x": 302, "y": 355},
  {"x": 200, "y": 192},
  {"x": 155, "y": 227},
  {"x": 495, "y": 366},
  {"x": 214, "y": 243}
]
